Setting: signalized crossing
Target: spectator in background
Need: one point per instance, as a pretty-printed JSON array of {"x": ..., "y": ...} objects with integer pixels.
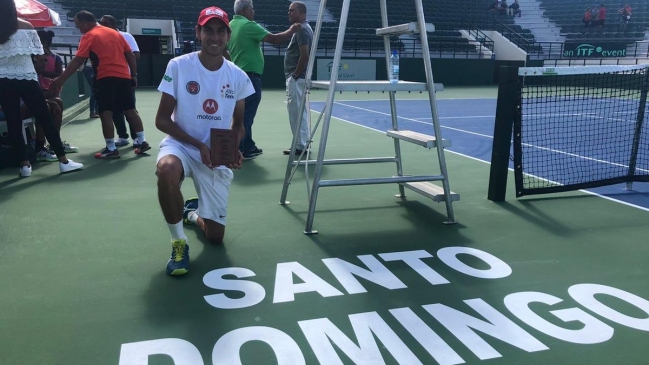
[
  {"x": 514, "y": 9},
  {"x": 245, "y": 52},
  {"x": 49, "y": 66},
  {"x": 53, "y": 65},
  {"x": 111, "y": 58},
  {"x": 601, "y": 17},
  {"x": 55, "y": 105},
  {"x": 625, "y": 13},
  {"x": 588, "y": 16},
  {"x": 503, "y": 8},
  {"x": 188, "y": 47},
  {"x": 18, "y": 80},
  {"x": 118, "y": 115},
  {"x": 295, "y": 62}
]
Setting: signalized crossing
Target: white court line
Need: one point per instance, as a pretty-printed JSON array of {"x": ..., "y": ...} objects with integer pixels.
[
  {"x": 467, "y": 117},
  {"x": 484, "y": 135},
  {"x": 415, "y": 120},
  {"x": 480, "y": 160},
  {"x": 423, "y": 99}
]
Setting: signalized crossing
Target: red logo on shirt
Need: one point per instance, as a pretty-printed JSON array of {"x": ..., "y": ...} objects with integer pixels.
[{"x": 210, "y": 106}]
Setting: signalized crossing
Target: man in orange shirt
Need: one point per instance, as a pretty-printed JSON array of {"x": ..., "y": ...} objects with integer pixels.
[{"x": 111, "y": 59}]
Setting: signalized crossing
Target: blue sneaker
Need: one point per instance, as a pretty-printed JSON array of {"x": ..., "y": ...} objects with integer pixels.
[
  {"x": 191, "y": 206},
  {"x": 179, "y": 261}
]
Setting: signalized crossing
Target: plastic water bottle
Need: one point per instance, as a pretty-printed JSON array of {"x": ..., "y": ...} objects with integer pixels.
[{"x": 394, "y": 67}]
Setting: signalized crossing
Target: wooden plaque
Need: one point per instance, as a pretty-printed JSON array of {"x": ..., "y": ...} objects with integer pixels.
[{"x": 223, "y": 146}]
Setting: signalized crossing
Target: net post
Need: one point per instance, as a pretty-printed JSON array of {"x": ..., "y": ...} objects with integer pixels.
[
  {"x": 508, "y": 102},
  {"x": 638, "y": 130}
]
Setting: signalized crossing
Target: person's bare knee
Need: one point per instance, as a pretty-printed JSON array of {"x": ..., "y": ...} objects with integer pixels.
[
  {"x": 214, "y": 231},
  {"x": 169, "y": 171}
]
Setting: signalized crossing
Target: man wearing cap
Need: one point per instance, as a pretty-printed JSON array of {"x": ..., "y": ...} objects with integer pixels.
[
  {"x": 200, "y": 91},
  {"x": 295, "y": 62},
  {"x": 245, "y": 52}
]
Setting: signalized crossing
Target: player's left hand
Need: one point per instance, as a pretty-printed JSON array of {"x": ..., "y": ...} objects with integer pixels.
[{"x": 237, "y": 165}]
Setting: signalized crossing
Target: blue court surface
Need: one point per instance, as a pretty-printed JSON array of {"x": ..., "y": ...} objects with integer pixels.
[{"x": 469, "y": 124}]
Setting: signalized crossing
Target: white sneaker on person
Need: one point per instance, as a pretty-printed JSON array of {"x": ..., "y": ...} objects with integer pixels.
[
  {"x": 66, "y": 147},
  {"x": 45, "y": 155},
  {"x": 70, "y": 166},
  {"x": 122, "y": 142},
  {"x": 25, "y": 171},
  {"x": 69, "y": 149}
]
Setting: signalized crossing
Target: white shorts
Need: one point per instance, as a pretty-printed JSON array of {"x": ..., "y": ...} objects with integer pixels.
[{"x": 212, "y": 186}]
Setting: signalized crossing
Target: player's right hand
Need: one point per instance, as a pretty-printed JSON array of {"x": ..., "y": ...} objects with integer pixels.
[{"x": 205, "y": 156}]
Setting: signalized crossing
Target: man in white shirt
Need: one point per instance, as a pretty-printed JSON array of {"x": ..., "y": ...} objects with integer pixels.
[
  {"x": 118, "y": 115},
  {"x": 200, "y": 91}
]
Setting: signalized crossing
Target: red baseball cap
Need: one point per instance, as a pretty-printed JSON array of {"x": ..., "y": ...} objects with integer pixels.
[{"x": 211, "y": 13}]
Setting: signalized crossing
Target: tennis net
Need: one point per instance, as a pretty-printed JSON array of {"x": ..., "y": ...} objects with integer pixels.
[{"x": 580, "y": 127}]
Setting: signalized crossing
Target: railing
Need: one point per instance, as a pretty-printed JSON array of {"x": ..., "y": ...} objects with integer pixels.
[
  {"x": 481, "y": 37},
  {"x": 371, "y": 46},
  {"x": 66, "y": 55}
]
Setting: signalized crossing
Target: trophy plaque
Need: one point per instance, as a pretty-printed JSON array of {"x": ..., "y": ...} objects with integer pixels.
[{"x": 223, "y": 146}]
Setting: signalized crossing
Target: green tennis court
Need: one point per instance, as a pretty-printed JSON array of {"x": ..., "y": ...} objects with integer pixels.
[{"x": 558, "y": 278}]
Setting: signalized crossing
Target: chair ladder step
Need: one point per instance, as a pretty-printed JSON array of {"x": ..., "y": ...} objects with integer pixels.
[
  {"x": 417, "y": 138},
  {"x": 430, "y": 190}
]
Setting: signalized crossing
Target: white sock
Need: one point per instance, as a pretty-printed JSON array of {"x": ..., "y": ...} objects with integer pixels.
[
  {"x": 110, "y": 144},
  {"x": 140, "y": 137},
  {"x": 177, "y": 231},
  {"x": 193, "y": 216}
]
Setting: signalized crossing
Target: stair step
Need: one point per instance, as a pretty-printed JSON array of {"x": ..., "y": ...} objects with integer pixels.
[
  {"x": 408, "y": 28},
  {"x": 417, "y": 138},
  {"x": 430, "y": 190}
]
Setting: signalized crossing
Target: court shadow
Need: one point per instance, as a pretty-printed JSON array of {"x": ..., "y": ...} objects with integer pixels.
[
  {"x": 376, "y": 241},
  {"x": 176, "y": 304},
  {"x": 93, "y": 169},
  {"x": 537, "y": 217}
]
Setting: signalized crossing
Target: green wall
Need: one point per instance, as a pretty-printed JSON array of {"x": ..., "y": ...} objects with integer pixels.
[
  {"x": 449, "y": 71},
  {"x": 75, "y": 89},
  {"x": 151, "y": 68}
]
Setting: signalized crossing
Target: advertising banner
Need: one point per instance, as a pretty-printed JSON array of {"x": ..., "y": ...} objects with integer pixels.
[
  {"x": 357, "y": 70},
  {"x": 594, "y": 50}
]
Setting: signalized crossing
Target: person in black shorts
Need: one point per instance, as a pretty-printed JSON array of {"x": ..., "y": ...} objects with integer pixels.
[{"x": 116, "y": 74}]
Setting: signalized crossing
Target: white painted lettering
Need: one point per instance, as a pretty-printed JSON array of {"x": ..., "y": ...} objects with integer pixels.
[
  {"x": 499, "y": 269},
  {"x": 594, "y": 330},
  {"x": 413, "y": 259},
  {"x": 253, "y": 292},
  {"x": 429, "y": 340},
  {"x": 321, "y": 333},
  {"x": 498, "y": 326},
  {"x": 285, "y": 289},
  {"x": 377, "y": 273},
  {"x": 584, "y": 294},
  {"x": 227, "y": 348},
  {"x": 180, "y": 351}
]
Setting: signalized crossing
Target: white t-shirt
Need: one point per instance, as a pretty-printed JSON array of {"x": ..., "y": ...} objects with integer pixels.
[
  {"x": 204, "y": 99},
  {"x": 131, "y": 41}
]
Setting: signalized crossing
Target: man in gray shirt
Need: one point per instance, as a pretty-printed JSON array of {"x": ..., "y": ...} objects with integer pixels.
[{"x": 295, "y": 63}]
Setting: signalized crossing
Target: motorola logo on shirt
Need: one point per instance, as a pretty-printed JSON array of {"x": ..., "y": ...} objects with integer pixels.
[{"x": 210, "y": 106}]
